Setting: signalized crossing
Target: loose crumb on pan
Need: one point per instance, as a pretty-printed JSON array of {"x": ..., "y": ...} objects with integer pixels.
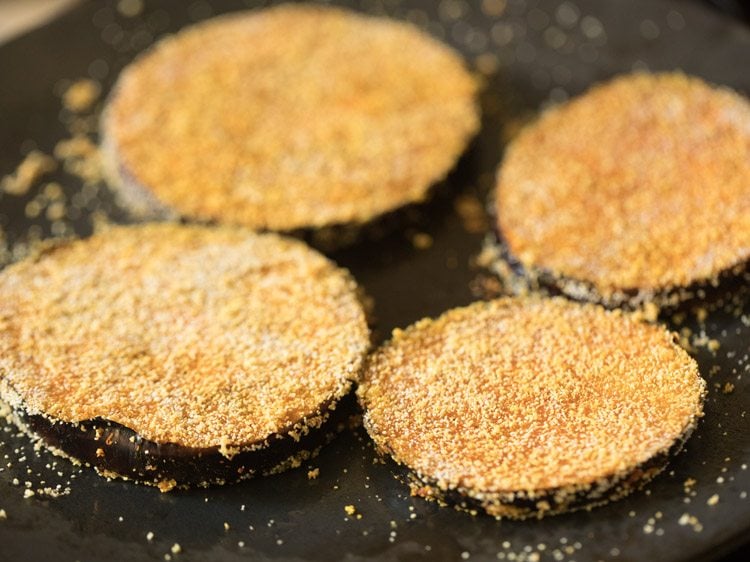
[
  {"x": 80, "y": 157},
  {"x": 230, "y": 336},
  {"x": 331, "y": 118},
  {"x": 422, "y": 241},
  {"x": 530, "y": 406},
  {"x": 166, "y": 485},
  {"x": 686, "y": 519},
  {"x": 352, "y": 511},
  {"x": 130, "y": 8},
  {"x": 641, "y": 185},
  {"x": 34, "y": 166},
  {"x": 81, "y": 95},
  {"x": 471, "y": 212}
]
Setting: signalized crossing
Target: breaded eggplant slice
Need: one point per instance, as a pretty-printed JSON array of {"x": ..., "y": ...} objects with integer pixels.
[
  {"x": 288, "y": 118},
  {"x": 634, "y": 192},
  {"x": 525, "y": 407},
  {"x": 179, "y": 356}
]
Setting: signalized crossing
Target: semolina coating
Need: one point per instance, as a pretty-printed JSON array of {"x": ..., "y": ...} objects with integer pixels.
[
  {"x": 533, "y": 399},
  {"x": 288, "y": 117},
  {"x": 640, "y": 185},
  {"x": 195, "y": 336}
]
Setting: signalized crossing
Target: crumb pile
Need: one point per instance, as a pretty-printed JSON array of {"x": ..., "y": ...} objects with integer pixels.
[
  {"x": 641, "y": 184},
  {"x": 290, "y": 117},
  {"x": 530, "y": 406},
  {"x": 192, "y": 336}
]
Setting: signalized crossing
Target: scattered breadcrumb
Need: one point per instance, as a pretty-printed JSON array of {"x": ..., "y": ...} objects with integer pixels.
[
  {"x": 130, "y": 8},
  {"x": 81, "y": 95},
  {"x": 649, "y": 312},
  {"x": 713, "y": 500},
  {"x": 313, "y": 474},
  {"x": 150, "y": 536},
  {"x": 3, "y": 515},
  {"x": 166, "y": 485},
  {"x": 472, "y": 214},
  {"x": 176, "y": 548},
  {"x": 33, "y": 167},
  {"x": 422, "y": 241},
  {"x": 692, "y": 520},
  {"x": 80, "y": 157},
  {"x": 77, "y": 146}
]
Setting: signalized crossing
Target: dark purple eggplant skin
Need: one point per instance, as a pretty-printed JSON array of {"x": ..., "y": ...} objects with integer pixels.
[{"x": 115, "y": 450}]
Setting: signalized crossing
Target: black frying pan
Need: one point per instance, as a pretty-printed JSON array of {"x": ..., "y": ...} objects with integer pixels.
[{"x": 291, "y": 517}]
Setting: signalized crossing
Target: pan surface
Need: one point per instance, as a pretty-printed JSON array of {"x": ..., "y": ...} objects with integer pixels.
[{"x": 532, "y": 52}]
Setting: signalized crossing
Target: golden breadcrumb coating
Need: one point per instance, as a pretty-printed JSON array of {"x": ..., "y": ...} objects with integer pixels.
[
  {"x": 528, "y": 398},
  {"x": 188, "y": 335},
  {"x": 641, "y": 184},
  {"x": 291, "y": 117}
]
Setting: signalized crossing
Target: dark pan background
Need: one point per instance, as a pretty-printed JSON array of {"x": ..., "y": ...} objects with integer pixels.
[{"x": 290, "y": 517}]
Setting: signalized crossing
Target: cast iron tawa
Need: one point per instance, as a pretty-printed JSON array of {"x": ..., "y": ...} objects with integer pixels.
[{"x": 533, "y": 52}]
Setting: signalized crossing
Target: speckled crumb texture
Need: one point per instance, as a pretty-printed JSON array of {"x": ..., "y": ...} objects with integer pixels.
[
  {"x": 525, "y": 406},
  {"x": 192, "y": 337},
  {"x": 286, "y": 118},
  {"x": 636, "y": 189}
]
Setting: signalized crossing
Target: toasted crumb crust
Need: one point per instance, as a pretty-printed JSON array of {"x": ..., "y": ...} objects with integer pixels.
[
  {"x": 633, "y": 191},
  {"x": 540, "y": 503},
  {"x": 524, "y": 407},
  {"x": 191, "y": 336},
  {"x": 329, "y": 118}
]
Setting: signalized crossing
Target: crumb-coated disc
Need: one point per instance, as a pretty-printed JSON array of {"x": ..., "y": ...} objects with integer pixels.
[
  {"x": 289, "y": 117},
  {"x": 195, "y": 342},
  {"x": 524, "y": 407},
  {"x": 638, "y": 188}
]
